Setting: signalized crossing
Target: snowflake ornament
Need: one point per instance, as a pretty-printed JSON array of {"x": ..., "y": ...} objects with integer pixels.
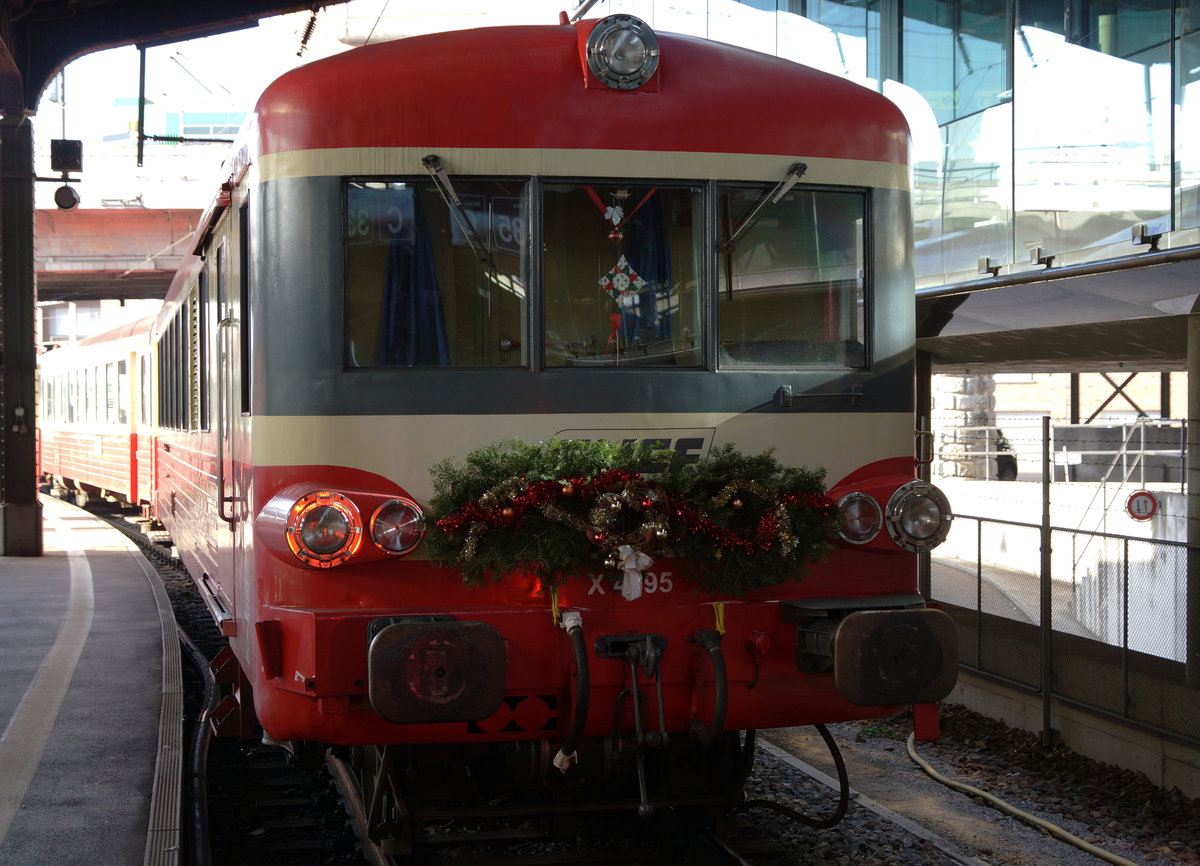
[{"x": 622, "y": 282}]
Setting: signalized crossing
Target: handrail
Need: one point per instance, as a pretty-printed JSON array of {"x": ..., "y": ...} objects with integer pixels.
[
  {"x": 231, "y": 518},
  {"x": 1164, "y": 541}
]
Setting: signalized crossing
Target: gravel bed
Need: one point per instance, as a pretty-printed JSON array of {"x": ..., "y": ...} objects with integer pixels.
[
  {"x": 1059, "y": 784},
  {"x": 862, "y": 838},
  {"x": 1112, "y": 808}
]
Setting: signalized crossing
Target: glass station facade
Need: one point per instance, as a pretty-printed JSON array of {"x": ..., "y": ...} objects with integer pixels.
[{"x": 1040, "y": 126}]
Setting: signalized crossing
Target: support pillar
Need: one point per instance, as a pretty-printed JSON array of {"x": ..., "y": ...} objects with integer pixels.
[
  {"x": 924, "y": 412},
  {"x": 20, "y": 511},
  {"x": 1192, "y": 652}
]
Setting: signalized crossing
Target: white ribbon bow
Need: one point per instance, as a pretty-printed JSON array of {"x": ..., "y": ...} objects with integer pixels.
[{"x": 632, "y": 563}]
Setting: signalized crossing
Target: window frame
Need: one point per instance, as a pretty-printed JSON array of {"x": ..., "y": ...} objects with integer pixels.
[
  {"x": 708, "y": 274},
  {"x": 526, "y": 249}
]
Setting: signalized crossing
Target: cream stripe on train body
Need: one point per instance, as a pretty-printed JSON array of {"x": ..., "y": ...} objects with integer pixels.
[
  {"x": 519, "y": 162},
  {"x": 403, "y": 447}
]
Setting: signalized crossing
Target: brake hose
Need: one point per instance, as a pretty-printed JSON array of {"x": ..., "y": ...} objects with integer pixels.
[
  {"x": 1052, "y": 829},
  {"x": 710, "y": 642},
  {"x": 572, "y": 622}
]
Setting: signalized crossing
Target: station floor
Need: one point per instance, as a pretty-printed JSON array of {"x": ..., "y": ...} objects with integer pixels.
[{"x": 90, "y": 701}]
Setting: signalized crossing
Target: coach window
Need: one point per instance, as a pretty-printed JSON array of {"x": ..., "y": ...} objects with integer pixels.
[
  {"x": 144, "y": 400},
  {"x": 791, "y": 278},
  {"x": 110, "y": 393},
  {"x": 621, "y": 271},
  {"x": 122, "y": 392},
  {"x": 435, "y": 283}
]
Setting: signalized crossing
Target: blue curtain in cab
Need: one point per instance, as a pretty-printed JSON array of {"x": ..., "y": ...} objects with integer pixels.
[
  {"x": 412, "y": 322},
  {"x": 648, "y": 253}
]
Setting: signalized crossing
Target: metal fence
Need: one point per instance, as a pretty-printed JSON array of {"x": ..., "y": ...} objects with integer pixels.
[
  {"x": 1091, "y": 617},
  {"x": 1140, "y": 451},
  {"x": 1118, "y": 590}
]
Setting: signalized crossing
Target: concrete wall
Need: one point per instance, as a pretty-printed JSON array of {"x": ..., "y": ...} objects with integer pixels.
[{"x": 1167, "y": 763}]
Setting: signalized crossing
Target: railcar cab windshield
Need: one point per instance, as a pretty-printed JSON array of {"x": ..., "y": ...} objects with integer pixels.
[{"x": 627, "y": 273}]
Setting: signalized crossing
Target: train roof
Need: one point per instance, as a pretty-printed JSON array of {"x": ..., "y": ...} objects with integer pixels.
[
  {"x": 130, "y": 330},
  {"x": 528, "y": 87},
  {"x": 124, "y": 337}
]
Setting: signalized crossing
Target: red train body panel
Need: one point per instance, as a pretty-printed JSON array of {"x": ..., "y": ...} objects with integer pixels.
[
  {"x": 448, "y": 90},
  {"x": 403, "y": 267}
]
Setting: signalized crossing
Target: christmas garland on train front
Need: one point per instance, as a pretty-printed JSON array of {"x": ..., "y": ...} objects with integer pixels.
[{"x": 564, "y": 508}]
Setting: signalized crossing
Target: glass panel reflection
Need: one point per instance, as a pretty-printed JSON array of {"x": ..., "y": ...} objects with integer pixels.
[
  {"x": 791, "y": 278},
  {"x": 432, "y": 284},
  {"x": 621, "y": 270},
  {"x": 1092, "y": 125},
  {"x": 1187, "y": 131}
]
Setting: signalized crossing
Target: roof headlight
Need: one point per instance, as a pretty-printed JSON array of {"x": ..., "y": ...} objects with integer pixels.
[
  {"x": 862, "y": 518},
  {"x": 918, "y": 516},
  {"x": 397, "y": 526},
  {"x": 622, "y": 51},
  {"x": 324, "y": 529}
]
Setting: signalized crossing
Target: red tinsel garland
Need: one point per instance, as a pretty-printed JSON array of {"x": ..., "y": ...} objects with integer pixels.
[{"x": 535, "y": 494}]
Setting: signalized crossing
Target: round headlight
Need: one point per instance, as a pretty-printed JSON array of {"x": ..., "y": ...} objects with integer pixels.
[
  {"x": 862, "y": 518},
  {"x": 622, "y": 51},
  {"x": 397, "y": 527},
  {"x": 918, "y": 516},
  {"x": 324, "y": 529}
]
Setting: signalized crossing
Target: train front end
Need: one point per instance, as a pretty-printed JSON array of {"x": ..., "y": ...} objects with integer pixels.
[{"x": 475, "y": 258}]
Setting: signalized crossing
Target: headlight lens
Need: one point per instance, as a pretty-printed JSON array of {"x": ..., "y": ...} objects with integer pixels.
[
  {"x": 324, "y": 529},
  {"x": 622, "y": 51},
  {"x": 397, "y": 527},
  {"x": 918, "y": 516},
  {"x": 862, "y": 517}
]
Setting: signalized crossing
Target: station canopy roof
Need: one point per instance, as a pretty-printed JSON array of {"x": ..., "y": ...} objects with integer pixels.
[
  {"x": 1127, "y": 313},
  {"x": 38, "y": 37}
]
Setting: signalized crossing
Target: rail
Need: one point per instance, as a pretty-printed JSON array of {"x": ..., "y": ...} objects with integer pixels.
[{"x": 986, "y": 451}]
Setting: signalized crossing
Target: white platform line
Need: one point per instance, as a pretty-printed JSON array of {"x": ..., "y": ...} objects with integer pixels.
[{"x": 24, "y": 740}]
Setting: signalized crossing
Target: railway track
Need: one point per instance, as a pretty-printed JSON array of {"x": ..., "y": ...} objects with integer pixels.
[{"x": 498, "y": 835}]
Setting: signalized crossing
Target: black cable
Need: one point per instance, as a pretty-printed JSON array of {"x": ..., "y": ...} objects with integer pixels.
[
  {"x": 583, "y": 689},
  {"x": 843, "y": 797},
  {"x": 201, "y": 854}
]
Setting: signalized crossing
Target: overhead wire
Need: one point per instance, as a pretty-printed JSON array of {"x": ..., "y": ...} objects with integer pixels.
[{"x": 378, "y": 17}]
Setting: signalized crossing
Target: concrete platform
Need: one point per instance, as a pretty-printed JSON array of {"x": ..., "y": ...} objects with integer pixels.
[{"x": 91, "y": 701}]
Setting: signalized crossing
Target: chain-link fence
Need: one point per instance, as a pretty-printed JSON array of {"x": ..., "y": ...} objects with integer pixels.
[{"x": 1109, "y": 598}]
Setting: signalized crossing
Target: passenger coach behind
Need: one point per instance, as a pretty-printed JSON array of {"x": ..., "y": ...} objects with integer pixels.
[{"x": 442, "y": 274}]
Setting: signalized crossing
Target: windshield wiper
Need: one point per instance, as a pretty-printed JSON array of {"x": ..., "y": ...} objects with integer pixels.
[
  {"x": 794, "y": 173},
  {"x": 433, "y": 165}
]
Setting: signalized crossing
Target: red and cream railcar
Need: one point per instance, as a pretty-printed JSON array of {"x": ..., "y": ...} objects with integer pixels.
[
  {"x": 547, "y": 233},
  {"x": 95, "y": 424}
]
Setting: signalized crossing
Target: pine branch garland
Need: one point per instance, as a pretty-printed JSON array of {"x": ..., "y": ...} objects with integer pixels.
[{"x": 564, "y": 508}]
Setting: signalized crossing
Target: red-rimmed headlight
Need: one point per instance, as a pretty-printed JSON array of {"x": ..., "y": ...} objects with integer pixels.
[
  {"x": 397, "y": 526},
  {"x": 862, "y": 518},
  {"x": 324, "y": 529}
]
